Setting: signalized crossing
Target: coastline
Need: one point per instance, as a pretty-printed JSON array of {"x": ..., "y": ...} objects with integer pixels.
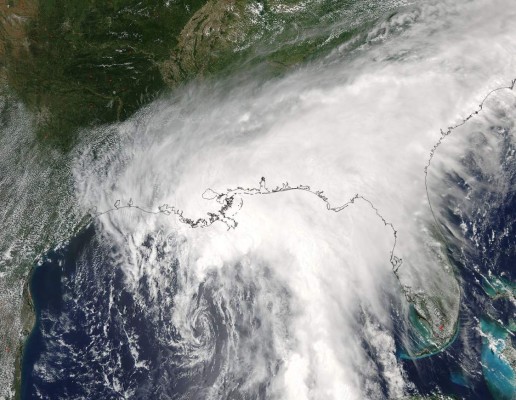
[{"x": 28, "y": 322}]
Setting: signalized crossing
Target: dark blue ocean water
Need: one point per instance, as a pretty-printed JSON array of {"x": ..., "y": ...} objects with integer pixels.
[
  {"x": 80, "y": 342},
  {"x": 96, "y": 338},
  {"x": 88, "y": 327},
  {"x": 484, "y": 255}
]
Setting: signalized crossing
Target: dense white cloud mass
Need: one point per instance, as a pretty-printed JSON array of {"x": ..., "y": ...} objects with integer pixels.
[{"x": 355, "y": 122}]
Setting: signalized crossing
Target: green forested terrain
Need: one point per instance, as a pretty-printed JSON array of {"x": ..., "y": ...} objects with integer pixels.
[{"x": 78, "y": 63}]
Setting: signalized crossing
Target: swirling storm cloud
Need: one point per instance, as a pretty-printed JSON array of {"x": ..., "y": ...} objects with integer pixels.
[{"x": 296, "y": 301}]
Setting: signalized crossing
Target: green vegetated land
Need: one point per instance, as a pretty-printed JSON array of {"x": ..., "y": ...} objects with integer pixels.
[
  {"x": 78, "y": 63},
  {"x": 90, "y": 62}
]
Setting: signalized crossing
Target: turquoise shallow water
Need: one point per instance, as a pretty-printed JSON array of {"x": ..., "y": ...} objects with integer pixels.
[
  {"x": 499, "y": 375},
  {"x": 58, "y": 349},
  {"x": 499, "y": 286},
  {"x": 459, "y": 379}
]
